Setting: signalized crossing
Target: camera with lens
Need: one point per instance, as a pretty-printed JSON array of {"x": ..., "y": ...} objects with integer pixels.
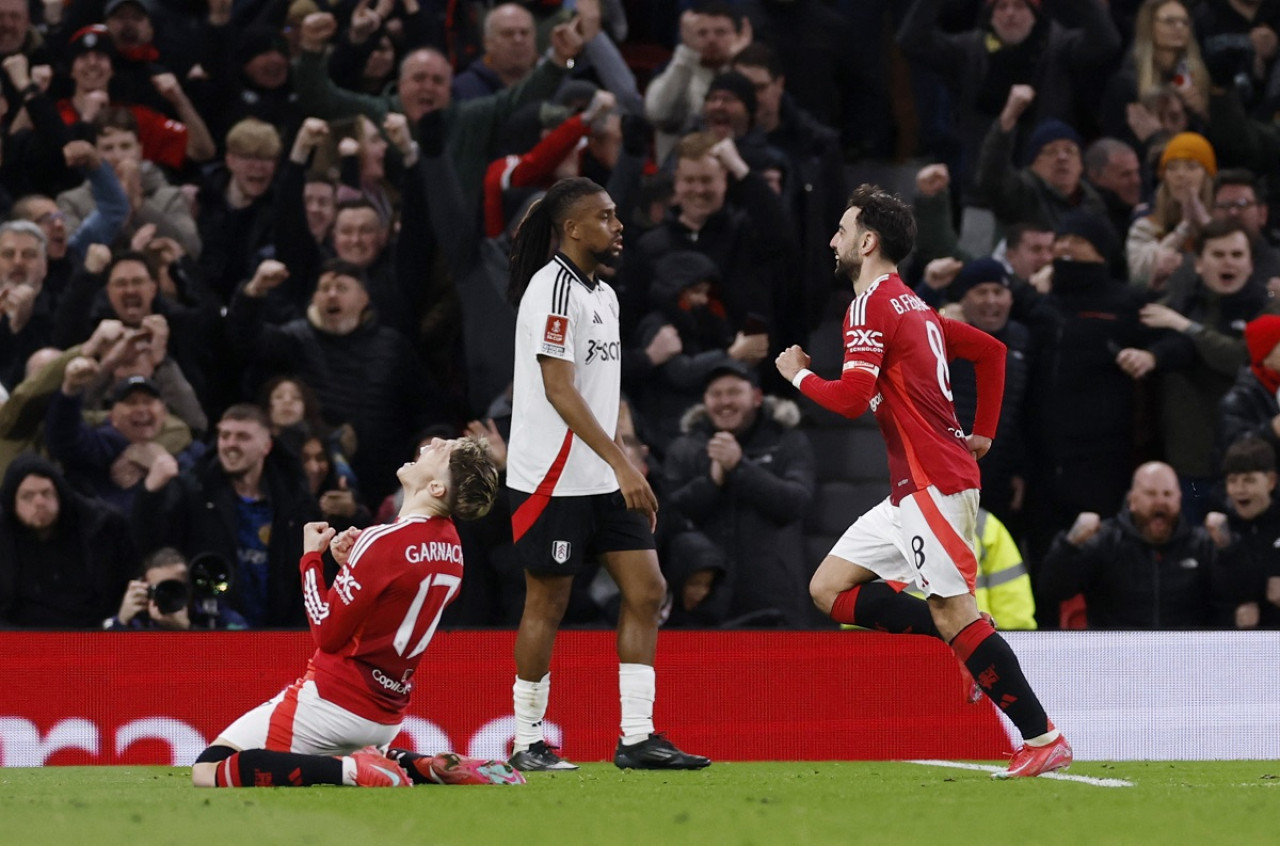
[
  {"x": 211, "y": 577},
  {"x": 170, "y": 595}
]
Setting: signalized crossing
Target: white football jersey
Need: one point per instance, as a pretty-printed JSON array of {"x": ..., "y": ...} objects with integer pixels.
[{"x": 564, "y": 315}]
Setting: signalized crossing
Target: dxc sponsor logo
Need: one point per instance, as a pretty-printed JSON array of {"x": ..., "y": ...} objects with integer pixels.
[
  {"x": 603, "y": 351},
  {"x": 864, "y": 339}
]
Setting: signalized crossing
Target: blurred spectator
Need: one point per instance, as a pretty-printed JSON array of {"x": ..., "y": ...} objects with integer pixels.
[
  {"x": 138, "y": 439},
  {"x": 1050, "y": 186},
  {"x": 185, "y": 344},
  {"x": 1251, "y": 527},
  {"x": 156, "y": 208},
  {"x": 333, "y": 494},
  {"x": 1199, "y": 359},
  {"x": 1019, "y": 44},
  {"x": 1238, "y": 43},
  {"x": 681, "y": 302},
  {"x": 249, "y": 78},
  {"x": 1003, "y": 586},
  {"x": 160, "y": 599},
  {"x": 33, "y": 159},
  {"x": 1250, "y": 406},
  {"x": 365, "y": 373},
  {"x": 26, "y": 318},
  {"x": 1081, "y": 405},
  {"x": 742, "y": 229},
  {"x": 710, "y": 35},
  {"x": 18, "y": 37},
  {"x": 815, "y": 189},
  {"x": 983, "y": 293},
  {"x": 165, "y": 141},
  {"x": 1145, "y": 568},
  {"x": 64, "y": 251},
  {"x": 1157, "y": 240},
  {"x": 469, "y": 129},
  {"x": 236, "y": 205},
  {"x": 510, "y": 52},
  {"x": 744, "y": 477},
  {"x": 247, "y": 503},
  {"x": 64, "y": 560},
  {"x": 1112, "y": 168},
  {"x": 1164, "y": 52}
]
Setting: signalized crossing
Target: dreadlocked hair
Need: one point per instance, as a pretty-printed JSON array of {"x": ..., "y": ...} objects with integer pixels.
[{"x": 534, "y": 241}]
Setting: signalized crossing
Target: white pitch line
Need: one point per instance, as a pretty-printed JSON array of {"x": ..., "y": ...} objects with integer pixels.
[{"x": 1096, "y": 782}]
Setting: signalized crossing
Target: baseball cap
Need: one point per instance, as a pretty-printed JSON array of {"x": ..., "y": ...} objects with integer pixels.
[
  {"x": 732, "y": 367},
  {"x": 125, "y": 387},
  {"x": 89, "y": 39},
  {"x": 113, "y": 5}
]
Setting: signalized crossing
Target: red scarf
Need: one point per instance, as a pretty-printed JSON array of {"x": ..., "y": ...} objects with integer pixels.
[{"x": 1261, "y": 336}]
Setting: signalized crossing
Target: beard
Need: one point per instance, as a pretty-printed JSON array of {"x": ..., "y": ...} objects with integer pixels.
[
  {"x": 850, "y": 268},
  {"x": 1156, "y": 527}
]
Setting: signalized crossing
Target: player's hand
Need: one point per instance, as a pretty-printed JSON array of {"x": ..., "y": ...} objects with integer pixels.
[
  {"x": 316, "y": 536},
  {"x": 134, "y": 602},
  {"x": 636, "y": 491},
  {"x": 791, "y": 361},
  {"x": 1086, "y": 526},
  {"x": 978, "y": 445},
  {"x": 341, "y": 546}
]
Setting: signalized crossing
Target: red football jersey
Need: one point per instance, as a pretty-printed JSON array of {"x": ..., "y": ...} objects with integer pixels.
[
  {"x": 373, "y": 624},
  {"x": 895, "y": 361}
]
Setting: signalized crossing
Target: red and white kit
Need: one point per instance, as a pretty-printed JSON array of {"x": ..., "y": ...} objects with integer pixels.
[
  {"x": 895, "y": 363},
  {"x": 359, "y": 680}
]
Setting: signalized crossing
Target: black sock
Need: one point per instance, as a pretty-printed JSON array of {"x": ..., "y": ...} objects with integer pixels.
[
  {"x": 997, "y": 671},
  {"x": 267, "y": 768},
  {"x": 407, "y": 760},
  {"x": 879, "y": 606}
]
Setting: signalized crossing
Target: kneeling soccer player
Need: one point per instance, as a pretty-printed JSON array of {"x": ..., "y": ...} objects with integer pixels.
[{"x": 371, "y": 629}]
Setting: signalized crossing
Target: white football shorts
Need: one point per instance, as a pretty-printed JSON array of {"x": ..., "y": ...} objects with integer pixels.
[
  {"x": 926, "y": 539},
  {"x": 298, "y": 720}
]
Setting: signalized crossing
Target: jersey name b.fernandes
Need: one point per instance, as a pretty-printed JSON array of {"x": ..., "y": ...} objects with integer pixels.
[{"x": 897, "y": 343}]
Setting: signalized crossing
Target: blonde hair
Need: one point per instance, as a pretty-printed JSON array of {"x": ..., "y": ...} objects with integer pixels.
[
  {"x": 473, "y": 479},
  {"x": 1167, "y": 212},
  {"x": 696, "y": 145},
  {"x": 254, "y": 139},
  {"x": 1144, "y": 51}
]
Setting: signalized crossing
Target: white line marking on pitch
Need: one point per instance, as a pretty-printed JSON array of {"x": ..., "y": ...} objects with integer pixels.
[{"x": 1096, "y": 782}]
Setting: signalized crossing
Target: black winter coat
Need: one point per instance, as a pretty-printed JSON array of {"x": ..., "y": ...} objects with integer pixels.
[{"x": 1129, "y": 584}]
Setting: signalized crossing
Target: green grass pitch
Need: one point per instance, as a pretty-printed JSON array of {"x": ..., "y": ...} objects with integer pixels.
[{"x": 1230, "y": 802}]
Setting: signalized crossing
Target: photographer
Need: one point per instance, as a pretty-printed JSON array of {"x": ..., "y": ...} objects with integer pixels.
[{"x": 163, "y": 596}]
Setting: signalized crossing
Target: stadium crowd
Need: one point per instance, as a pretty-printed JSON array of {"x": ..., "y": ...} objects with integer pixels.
[{"x": 254, "y": 254}]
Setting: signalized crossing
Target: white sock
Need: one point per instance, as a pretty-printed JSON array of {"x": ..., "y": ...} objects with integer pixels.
[
  {"x": 1044, "y": 739},
  {"x": 530, "y": 706},
  {"x": 348, "y": 771},
  {"x": 637, "y": 684}
]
